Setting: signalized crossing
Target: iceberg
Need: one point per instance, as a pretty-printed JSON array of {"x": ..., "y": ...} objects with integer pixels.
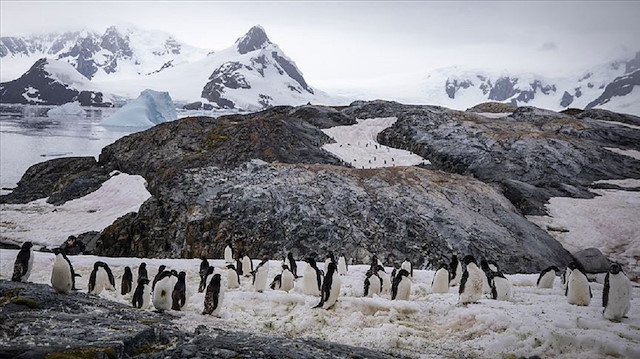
[
  {"x": 68, "y": 109},
  {"x": 149, "y": 109}
]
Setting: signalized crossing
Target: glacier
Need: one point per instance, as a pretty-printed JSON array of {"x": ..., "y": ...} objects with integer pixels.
[{"x": 149, "y": 109}]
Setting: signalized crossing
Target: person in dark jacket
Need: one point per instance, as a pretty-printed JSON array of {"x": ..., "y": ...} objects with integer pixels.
[{"x": 73, "y": 246}]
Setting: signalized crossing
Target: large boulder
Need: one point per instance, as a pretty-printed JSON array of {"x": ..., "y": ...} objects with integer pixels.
[{"x": 592, "y": 260}]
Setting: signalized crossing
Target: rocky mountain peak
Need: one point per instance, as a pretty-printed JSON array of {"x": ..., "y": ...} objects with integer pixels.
[{"x": 256, "y": 38}]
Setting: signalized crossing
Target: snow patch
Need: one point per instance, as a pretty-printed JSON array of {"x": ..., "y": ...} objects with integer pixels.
[{"x": 631, "y": 153}]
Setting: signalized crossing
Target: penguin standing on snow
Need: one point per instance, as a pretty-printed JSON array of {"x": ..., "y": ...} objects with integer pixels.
[
  {"x": 330, "y": 259},
  {"x": 73, "y": 272},
  {"x": 213, "y": 297},
  {"x": 372, "y": 284},
  {"x": 286, "y": 279},
  {"x": 260, "y": 276},
  {"x": 330, "y": 288},
  {"x": 342, "y": 265},
  {"x": 486, "y": 286},
  {"x": 440, "y": 282},
  {"x": 500, "y": 286},
  {"x": 565, "y": 279},
  {"x": 616, "y": 296},
  {"x": 205, "y": 271},
  {"x": 127, "y": 281},
  {"x": 61, "y": 275},
  {"x": 23, "y": 264},
  {"x": 157, "y": 277},
  {"x": 471, "y": 282},
  {"x": 312, "y": 280},
  {"x": 142, "y": 271},
  {"x": 179, "y": 294},
  {"x": 162, "y": 292},
  {"x": 578, "y": 290},
  {"x": 386, "y": 281},
  {"x": 142, "y": 295},
  {"x": 455, "y": 271},
  {"x": 239, "y": 265},
  {"x": 228, "y": 253},
  {"x": 247, "y": 266},
  {"x": 292, "y": 264},
  {"x": 101, "y": 278},
  {"x": 276, "y": 283},
  {"x": 233, "y": 277},
  {"x": 547, "y": 277},
  {"x": 406, "y": 265},
  {"x": 401, "y": 287}
]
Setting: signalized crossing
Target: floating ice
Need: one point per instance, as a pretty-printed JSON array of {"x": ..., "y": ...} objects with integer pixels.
[
  {"x": 68, "y": 109},
  {"x": 150, "y": 108}
]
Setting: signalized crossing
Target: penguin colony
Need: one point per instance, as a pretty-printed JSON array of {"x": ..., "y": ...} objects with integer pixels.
[{"x": 168, "y": 290}]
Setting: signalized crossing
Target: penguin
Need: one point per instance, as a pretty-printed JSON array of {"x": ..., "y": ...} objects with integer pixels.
[
  {"x": 142, "y": 295},
  {"x": 292, "y": 265},
  {"x": 233, "y": 277},
  {"x": 342, "y": 265},
  {"x": 386, "y": 281},
  {"x": 565, "y": 278},
  {"x": 396, "y": 269},
  {"x": 500, "y": 286},
  {"x": 239, "y": 265},
  {"x": 162, "y": 292},
  {"x": 61, "y": 276},
  {"x": 247, "y": 266},
  {"x": 486, "y": 285},
  {"x": 23, "y": 264},
  {"x": 277, "y": 280},
  {"x": 286, "y": 279},
  {"x": 616, "y": 296},
  {"x": 406, "y": 265},
  {"x": 547, "y": 277},
  {"x": 73, "y": 272},
  {"x": 127, "y": 281},
  {"x": 101, "y": 278},
  {"x": 174, "y": 278},
  {"x": 471, "y": 282},
  {"x": 330, "y": 287},
  {"x": 205, "y": 271},
  {"x": 213, "y": 297},
  {"x": 372, "y": 283},
  {"x": 374, "y": 263},
  {"x": 440, "y": 282},
  {"x": 455, "y": 271},
  {"x": 312, "y": 279},
  {"x": 578, "y": 290},
  {"x": 260, "y": 276},
  {"x": 401, "y": 287},
  {"x": 179, "y": 294},
  {"x": 157, "y": 277},
  {"x": 228, "y": 253},
  {"x": 330, "y": 259},
  {"x": 142, "y": 271}
]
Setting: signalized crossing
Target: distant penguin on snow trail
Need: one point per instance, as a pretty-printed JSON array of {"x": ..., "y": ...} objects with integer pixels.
[
  {"x": 101, "y": 278},
  {"x": 142, "y": 295},
  {"x": 179, "y": 294},
  {"x": 127, "y": 281},
  {"x": 455, "y": 271},
  {"x": 500, "y": 286},
  {"x": 142, "y": 271},
  {"x": 330, "y": 288},
  {"x": 247, "y": 266},
  {"x": 312, "y": 279},
  {"x": 214, "y": 296},
  {"x": 440, "y": 282},
  {"x": 61, "y": 275},
  {"x": 372, "y": 284},
  {"x": 401, "y": 287},
  {"x": 228, "y": 253},
  {"x": 342, "y": 265},
  {"x": 233, "y": 277},
  {"x": 205, "y": 271},
  {"x": 260, "y": 276},
  {"x": 406, "y": 265},
  {"x": 616, "y": 295},
  {"x": 162, "y": 299},
  {"x": 578, "y": 290},
  {"x": 23, "y": 264},
  {"x": 547, "y": 277},
  {"x": 471, "y": 282}
]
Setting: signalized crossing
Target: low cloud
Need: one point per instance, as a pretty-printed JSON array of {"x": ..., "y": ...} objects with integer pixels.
[{"x": 549, "y": 46}]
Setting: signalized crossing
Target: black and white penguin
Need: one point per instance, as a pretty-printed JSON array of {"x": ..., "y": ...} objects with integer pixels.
[
  {"x": 287, "y": 279},
  {"x": 455, "y": 271},
  {"x": 228, "y": 253},
  {"x": 179, "y": 294},
  {"x": 396, "y": 269},
  {"x": 157, "y": 277},
  {"x": 214, "y": 296},
  {"x": 372, "y": 284},
  {"x": 247, "y": 266},
  {"x": 260, "y": 276},
  {"x": 329, "y": 259},
  {"x": 61, "y": 275},
  {"x": 500, "y": 286},
  {"x": 330, "y": 287},
  {"x": 547, "y": 277},
  {"x": 292, "y": 264},
  {"x": 440, "y": 282},
  {"x": 486, "y": 286},
  {"x": 401, "y": 287},
  {"x": 205, "y": 271},
  {"x": 73, "y": 272},
  {"x": 312, "y": 279},
  {"x": 23, "y": 264},
  {"x": 342, "y": 266},
  {"x": 276, "y": 282},
  {"x": 142, "y": 271},
  {"x": 239, "y": 265},
  {"x": 386, "y": 281},
  {"x": 616, "y": 296},
  {"x": 142, "y": 295},
  {"x": 127, "y": 281},
  {"x": 578, "y": 289},
  {"x": 233, "y": 277},
  {"x": 101, "y": 278},
  {"x": 406, "y": 265},
  {"x": 162, "y": 292},
  {"x": 565, "y": 278},
  {"x": 471, "y": 282}
]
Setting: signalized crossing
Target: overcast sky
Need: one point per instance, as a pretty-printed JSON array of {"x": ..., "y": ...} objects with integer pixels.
[{"x": 340, "y": 43}]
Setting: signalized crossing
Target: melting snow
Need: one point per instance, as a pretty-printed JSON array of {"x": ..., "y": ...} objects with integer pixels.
[{"x": 631, "y": 153}]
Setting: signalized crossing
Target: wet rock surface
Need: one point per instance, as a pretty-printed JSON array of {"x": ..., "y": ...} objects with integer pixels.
[{"x": 35, "y": 322}]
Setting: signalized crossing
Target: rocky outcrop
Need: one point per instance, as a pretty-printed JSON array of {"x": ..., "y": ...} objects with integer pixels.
[
  {"x": 619, "y": 87},
  {"x": 198, "y": 105},
  {"x": 60, "y": 179},
  {"x": 592, "y": 260},
  {"x": 492, "y": 107},
  {"x": 36, "y": 323}
]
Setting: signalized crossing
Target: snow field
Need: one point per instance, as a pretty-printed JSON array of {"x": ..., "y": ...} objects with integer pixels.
[
  {"x": 358, "y": 145},
  {"x": 535, "y": 321}
]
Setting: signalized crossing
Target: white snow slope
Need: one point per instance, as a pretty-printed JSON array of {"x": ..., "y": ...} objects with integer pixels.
[{"x": 534, "y": 322}]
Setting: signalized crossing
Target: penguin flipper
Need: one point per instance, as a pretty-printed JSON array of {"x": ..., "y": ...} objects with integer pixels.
[{"x": 605, "y": 291}]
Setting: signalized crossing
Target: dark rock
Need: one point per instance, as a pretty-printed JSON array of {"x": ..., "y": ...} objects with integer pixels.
[
  {"x": 592, "y": 260},
  {"x": 292, "y": 71},
  {"x": 452, "y": 86},
  {"x": 253, "y": 40},
  {"x": 567, "y": 99},
  {"x": 198, "y": 105},
  {"x": 621, "y": 86},
  {"x": 572, "y": 111},
  {"x": 503, "y": 89},
  {"x": 492, "y": 107},
  {"x": 226, "y": 76}
]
